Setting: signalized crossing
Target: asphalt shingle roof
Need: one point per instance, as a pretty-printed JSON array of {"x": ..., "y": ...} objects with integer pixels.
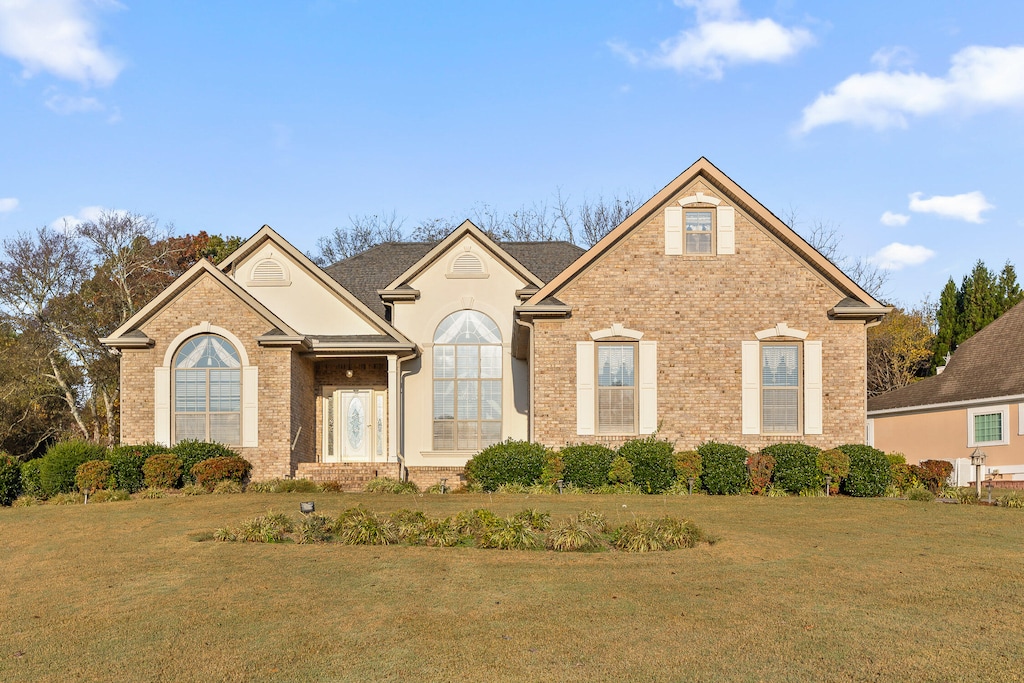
[
  {"x": 985, "y": 366},
  {"x": 377, "y": 267}
]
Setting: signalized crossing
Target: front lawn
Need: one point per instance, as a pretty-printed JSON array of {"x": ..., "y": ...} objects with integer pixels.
[{"x": 794, "y": 589}]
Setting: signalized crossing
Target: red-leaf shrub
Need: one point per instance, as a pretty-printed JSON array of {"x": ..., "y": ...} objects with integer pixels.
[
  {"x": 836, "y": 464},
  {"x": 92, "y": 476},
  {"x": 211, "y": 471},
  {"x": 933, "y": 473},
  {"x": 760, "y": 466},
  {"x": 162, "y": 471}
]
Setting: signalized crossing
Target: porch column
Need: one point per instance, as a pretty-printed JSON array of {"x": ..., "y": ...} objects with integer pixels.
[{"x": 393, "y": 408}]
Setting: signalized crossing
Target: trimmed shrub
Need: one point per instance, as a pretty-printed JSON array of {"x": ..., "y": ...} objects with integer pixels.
[
  {"x": 836, "y": 464},
  {"x": 32, "y": 478},
  {"x": 586, "y": 465},
  {"x": 869, "y": 471},
  {"x": 725, "y": 467},
  {"x": 653, "y": 462},
  {"x": 162, "y": 471},
  {"x": 759, "y": 469},
  {"x": 933, "y": 473},
  {"x": 903, "y": 476},
  {"x": 208, "y": 473},
  {"x": 621, "y": 471},
  {"x": 10, "y": 479},
  {"x": 60, "y": 464},
  {"x": 192, "y": 452},
  {"x": 688, "y": 464},
  {"x": 508, "y": 462},
  {"x": 796, "y": 466},
  {"x": 93, "y": 476},
  {"x": 126, "y": 464},
  {"x": 896, "y": 458}
]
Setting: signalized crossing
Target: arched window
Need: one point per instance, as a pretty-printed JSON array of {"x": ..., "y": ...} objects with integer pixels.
[
  {"x": 208, "y": 391},
  {"x": 467, "y": 382}
]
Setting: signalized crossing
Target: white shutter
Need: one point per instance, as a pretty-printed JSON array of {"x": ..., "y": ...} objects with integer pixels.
[
  {"x": 250, "y": 406},
  {"x": 162, "y": 406},
  {"x": 673, "y": 230},
  {"x": 585, "y": 387},
  {"x": 812, "y": 387},
  {"x": 648, "y": 387},
  {"x": 1020, "y": 419},
  {"x": 751, "y": 370},
  {"x": 726, "y": 230}
]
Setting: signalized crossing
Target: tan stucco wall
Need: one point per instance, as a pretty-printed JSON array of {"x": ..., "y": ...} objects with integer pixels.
[
  {"x": 207, "y": 300},
  {"x": 699, "y": 309},
  {"x": 440, "y": 297},
  {"x": 305, "y": 304},
  {"x": 942, "y": 435}
]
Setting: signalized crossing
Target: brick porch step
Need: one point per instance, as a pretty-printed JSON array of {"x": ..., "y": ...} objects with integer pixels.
[{"x": 353, "y": 476}]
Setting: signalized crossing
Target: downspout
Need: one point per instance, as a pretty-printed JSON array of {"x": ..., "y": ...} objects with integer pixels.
[{"x": 529, "y": 361}]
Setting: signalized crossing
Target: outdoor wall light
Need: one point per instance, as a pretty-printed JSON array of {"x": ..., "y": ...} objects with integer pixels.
[
  {"x": 348, "y": 373},
  {"x": 307, "y": 507}
]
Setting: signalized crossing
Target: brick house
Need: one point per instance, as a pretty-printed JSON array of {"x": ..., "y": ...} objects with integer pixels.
[{"x": 702, "y": 316}]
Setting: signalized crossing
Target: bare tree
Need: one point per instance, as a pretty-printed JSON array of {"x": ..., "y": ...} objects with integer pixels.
[
  {"x": 827, "y": 239},
  {"x": 362, "y": 233},
  {"x": 601, "y": 216},
  {"x": 433, "y": 229}
]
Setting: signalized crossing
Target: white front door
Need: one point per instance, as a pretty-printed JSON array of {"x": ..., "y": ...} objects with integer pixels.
[{"x": 354, "y": 425}]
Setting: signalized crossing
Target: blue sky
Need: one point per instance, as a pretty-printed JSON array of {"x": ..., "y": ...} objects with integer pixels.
[{"x": 899, "y": 123}]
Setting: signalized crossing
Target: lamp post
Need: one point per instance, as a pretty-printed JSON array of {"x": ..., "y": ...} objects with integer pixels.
[
  {"x": 828, "y": 485},
  {"x": 561, "y": 485},
  {"x": 444, "y": 485},
  {"x": 689, "y": 486},
  {"x": 989, "y": 484},
  {"x": 978, "y": 461}
]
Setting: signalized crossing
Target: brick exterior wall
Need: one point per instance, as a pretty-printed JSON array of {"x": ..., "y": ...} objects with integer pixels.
[
  {"x": 206, "y": 300},
  {"x": 425, "y": 477},
  {"x": 699, "y": 309}
]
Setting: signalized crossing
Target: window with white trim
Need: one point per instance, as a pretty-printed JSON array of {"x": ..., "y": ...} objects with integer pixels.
[
  {"x": 616, "y": 388},
  {"x": 988, "y": 426},
  {"x": 699, "y": 229},
  {"x": 207, "y": 391},
  {"x": 780, "y": 388},
  {"x": 467, "y": 360}
]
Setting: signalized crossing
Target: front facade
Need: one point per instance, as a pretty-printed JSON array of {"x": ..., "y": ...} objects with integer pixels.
[
  {"x": 975, "y": 404},
  {"x": 701, "y": 317}
]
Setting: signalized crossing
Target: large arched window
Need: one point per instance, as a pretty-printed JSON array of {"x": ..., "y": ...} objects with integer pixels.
[
  {"x": 467, "y": 382},
  {"x": 208, "y": 391}
]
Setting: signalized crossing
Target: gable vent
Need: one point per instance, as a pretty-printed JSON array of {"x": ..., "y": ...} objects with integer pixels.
[
  {"x": 268, "y": 271},
  {"x": 467, "y": 264}
]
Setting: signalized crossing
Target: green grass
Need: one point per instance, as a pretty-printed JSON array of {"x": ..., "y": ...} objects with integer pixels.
[{"x": 795, "y": 589}]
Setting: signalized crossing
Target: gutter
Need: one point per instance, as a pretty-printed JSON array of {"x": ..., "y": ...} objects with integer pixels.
[{"x": 928, "y": 407}]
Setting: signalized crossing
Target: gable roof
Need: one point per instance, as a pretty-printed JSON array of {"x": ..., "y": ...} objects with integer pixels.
[
  {"x": 268, "y": 234},
  {"x": 391, "y": 264},
  {"x": 129, "y": 334},
  {"x": 985, "y": 366},
  {"x": 864, "y": 305}
]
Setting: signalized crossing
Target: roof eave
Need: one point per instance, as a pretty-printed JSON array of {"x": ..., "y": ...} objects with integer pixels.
[
  {"x": 865, "y": 313},
  {"x": 127, "y": 342}
]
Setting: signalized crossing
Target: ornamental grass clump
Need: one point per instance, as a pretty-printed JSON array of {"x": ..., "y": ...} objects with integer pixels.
[
  {"x": 314, "y": 528},
  {"x": 510, "y": 534},
  {"x": 391, "y": 485},
  {"x": 440, "y": 533},
  {"x": 1011, "y": 500},
  {"x": 573, "y": 535},
  {"x": 270, "y": 527},
  {"x": 538, "y": 521},
  {"x": 366, "y": 528}
]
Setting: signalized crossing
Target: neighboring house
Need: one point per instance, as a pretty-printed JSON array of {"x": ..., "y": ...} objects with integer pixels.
[
  {"x": 974, "y": 403},
  {"x": 702, "y": 316}
]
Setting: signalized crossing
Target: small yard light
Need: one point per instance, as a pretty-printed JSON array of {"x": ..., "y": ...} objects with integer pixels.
[
  {"x": 560, "y": 483},
  {"x": 689, "y": 486},
  {"x": 989, "y": 485},
  {"x": 307, "y": 507},
  {"x": 444, "y": 486},
  {"x": 828, "y": 484},
  {"x": 978, "y": 460}
]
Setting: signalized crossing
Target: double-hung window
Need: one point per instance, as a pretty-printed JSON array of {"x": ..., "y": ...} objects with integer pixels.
[
  {"x": 780, "y": 388},
  {"x": 699, "y": 232},
  {"x": 616, "y": 388}
]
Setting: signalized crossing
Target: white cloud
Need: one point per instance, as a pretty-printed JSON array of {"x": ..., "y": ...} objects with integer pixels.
[
  {"x": 966, "y": 207},
  {"x": 85, "y": 214},
  {"x": 59, "y": 37},
  {"x": 72, "y": 104},
  {"x": 896, "y": 256},
  {"x": 8, "y": 204},
  {"x": 894, "y": 219},
  {"x": 980, "y": 78},
  {"x": 887, "y": 57},
  {"x": 721, "y": 38}
]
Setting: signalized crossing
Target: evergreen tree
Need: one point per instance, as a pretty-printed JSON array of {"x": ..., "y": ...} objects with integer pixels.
[
  {"x": 946, "y": 320},
  {"x": 1009, "y": 291},
  {"x": 980, "y": 297}
]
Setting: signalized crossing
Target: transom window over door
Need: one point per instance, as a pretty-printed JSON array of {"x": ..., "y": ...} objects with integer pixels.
[
  {"x": 208, "y": 391},
  {"x": 467, "y": 382},
  {"x": 616, "y": 388},
  {"x": 780, "y": 388}
]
